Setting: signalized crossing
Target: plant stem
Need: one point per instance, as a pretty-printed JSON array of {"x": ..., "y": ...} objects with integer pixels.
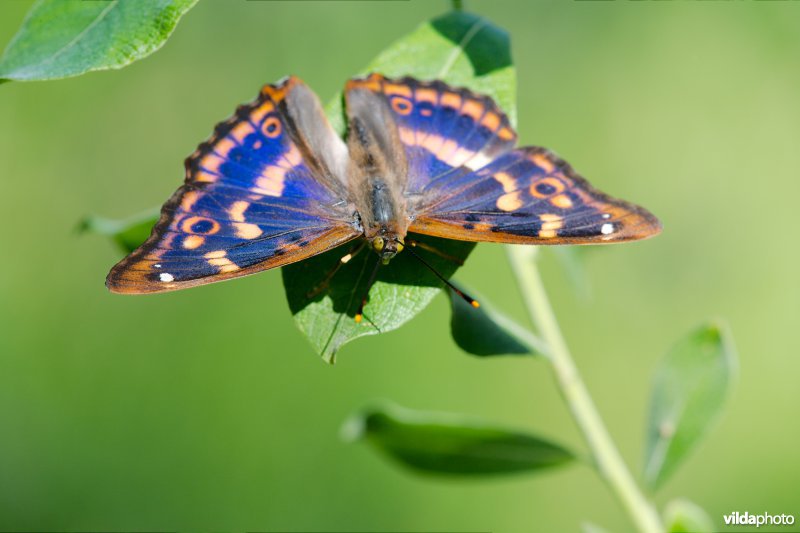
[{"x": 606, "y": 457}]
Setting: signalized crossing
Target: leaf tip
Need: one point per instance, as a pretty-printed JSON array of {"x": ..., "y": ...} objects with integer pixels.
[
  {"x": 354, "y": 428},
  {"x": 712, "y": 331},
  {"x": 716, "y": 332},
  {"x": 329, "y": 357},
  {"x": 83, "y": 225}
]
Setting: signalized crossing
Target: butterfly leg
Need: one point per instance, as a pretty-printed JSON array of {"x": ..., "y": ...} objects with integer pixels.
[
  {"x": 326, "y": 281},
  {"x": 431, "y": 249}
]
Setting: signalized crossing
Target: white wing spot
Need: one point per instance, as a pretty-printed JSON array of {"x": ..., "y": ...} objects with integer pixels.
[
  {"x": 166, "y": 278},
  {"x": 477, "y": 161},
  {"x": 606, "y": 215},
  {"x": 607, "y": 228}
]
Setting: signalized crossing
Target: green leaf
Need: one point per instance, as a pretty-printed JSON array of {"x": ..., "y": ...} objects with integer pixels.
[
  {"x": 62, "y": 38},
  {"x": 403, "y": 289},
  {"x": 485, "y": 331},
  {"x": 451, "y": 444},
  {"x": 683, "y": 516},
  {"x": 460, "y": 48},
  {"x": 463, "y": 50},
  {"x": 128, "y": 233},
  {"x": 689, "y": 390}
]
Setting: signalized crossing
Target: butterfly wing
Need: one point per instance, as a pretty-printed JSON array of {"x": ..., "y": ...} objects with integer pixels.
[
  {"x": 528, "y": 196},
  {"x": 466, "y": 182},
  {"x": 266, "y": 190},
  {"x": 441, "y": 129}
]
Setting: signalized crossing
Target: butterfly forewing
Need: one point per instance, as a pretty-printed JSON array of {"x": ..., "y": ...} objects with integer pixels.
[{"x": 255, "y": 197}]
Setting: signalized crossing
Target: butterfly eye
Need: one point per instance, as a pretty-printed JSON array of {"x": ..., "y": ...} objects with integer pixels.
[{"x": 378, "y": 243}]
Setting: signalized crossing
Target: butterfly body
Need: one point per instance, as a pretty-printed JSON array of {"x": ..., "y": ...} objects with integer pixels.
[
  {"x": 377, "y": 174},
  {"x": 276, "y": 184}
]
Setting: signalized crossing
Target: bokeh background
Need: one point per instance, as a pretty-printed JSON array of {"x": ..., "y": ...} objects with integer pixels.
[{"x": 207, "y": 409}]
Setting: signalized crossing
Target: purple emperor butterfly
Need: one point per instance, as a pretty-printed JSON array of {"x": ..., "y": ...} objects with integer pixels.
[{"x": 275, "y": 184}]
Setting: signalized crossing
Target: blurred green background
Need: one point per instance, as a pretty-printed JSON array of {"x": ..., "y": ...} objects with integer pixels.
[{"x": 206, "y": 409}]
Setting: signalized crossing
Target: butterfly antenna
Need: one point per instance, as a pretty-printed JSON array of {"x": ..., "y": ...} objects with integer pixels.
[
  {"x": 428, "y": 248},
  {"x": 471, "y": 301},
  {"x": 360, "y": 313}
]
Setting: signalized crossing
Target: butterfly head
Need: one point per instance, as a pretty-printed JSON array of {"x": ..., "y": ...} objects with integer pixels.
[{"x": 385, "y": 247}]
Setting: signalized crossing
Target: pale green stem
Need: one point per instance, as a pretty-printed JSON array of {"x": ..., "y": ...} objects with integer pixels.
[{"x": 606, "y": 458}]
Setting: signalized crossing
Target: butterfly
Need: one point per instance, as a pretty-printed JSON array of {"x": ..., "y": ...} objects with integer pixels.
[{"x": 275, "y": 184}]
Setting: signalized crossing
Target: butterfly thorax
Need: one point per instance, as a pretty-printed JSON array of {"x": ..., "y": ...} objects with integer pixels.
[{"x": 383, "y": 216}]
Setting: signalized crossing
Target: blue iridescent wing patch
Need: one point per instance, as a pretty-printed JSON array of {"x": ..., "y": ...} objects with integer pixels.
[{"x": 255, "y": 197}]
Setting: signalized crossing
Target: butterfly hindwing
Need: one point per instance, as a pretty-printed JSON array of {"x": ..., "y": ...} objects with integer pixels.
[
  {"x": 528, "y": 196},
  {"x": 255, "y": 197},
  {"x": 440, "y": 128}
]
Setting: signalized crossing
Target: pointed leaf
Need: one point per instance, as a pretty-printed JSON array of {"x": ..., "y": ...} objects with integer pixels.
[
  {"x": 403, "y": 289},
  {"x": 61, "y": 38},
  {"x": 689, "y": 390},
  {"x": 463, "y": 50},
  {"x": 128, "y": 233},
  {"x": 460, "y": 48},
  {"x": 485, "y": 331},
  {"x": 451, "y": 444}
]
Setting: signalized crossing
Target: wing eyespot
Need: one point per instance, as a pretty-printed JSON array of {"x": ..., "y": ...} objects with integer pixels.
[
  {"x": 272, "y": 127},
  {"x": 547, "y": 187},
  {"x": 200, "y": 226},
  {"x": 402, "y": 106}
]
